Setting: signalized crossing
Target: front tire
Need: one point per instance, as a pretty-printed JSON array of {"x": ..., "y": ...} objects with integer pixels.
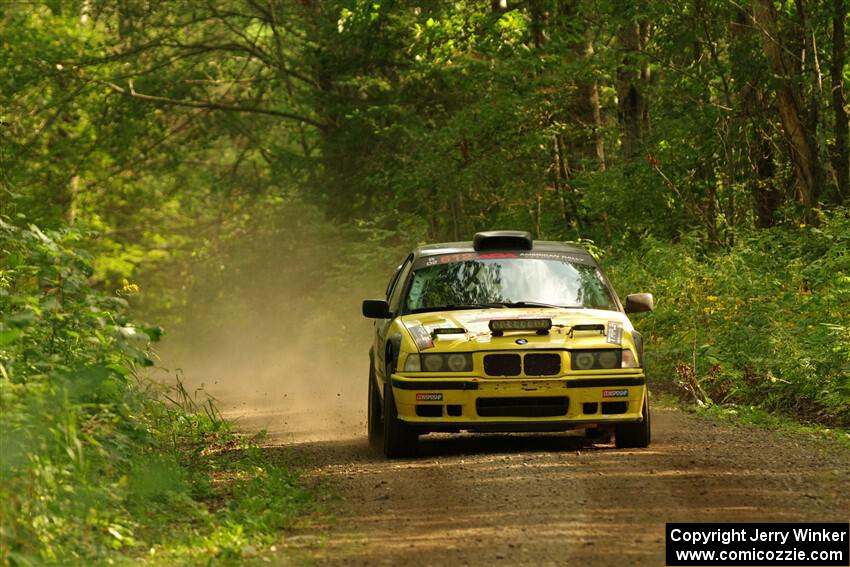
[
  {"x": 375, "y": 426},
  {"x": 399, "y": 439},
  {"x": 635, "y": 435}
]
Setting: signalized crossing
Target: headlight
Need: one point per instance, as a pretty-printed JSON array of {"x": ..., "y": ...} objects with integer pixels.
[
  {"x": 432, "y": 362},
  {"x": 608, "y": 359},
  {"x": 412, "y": 364},
  {"x": 583, "y": 360},
  {"x": 459, "y": 362},
  {"x": 602, "y": 359}
]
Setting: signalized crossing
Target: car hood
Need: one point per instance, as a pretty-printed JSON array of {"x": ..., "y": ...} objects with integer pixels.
[{"x": 477, "y": 335}]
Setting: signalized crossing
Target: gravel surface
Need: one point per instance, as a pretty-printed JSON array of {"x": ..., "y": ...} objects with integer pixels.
[{"x": 552, "y": 499}]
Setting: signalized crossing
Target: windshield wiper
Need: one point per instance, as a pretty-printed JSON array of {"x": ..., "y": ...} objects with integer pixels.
[
  {"x": 458, "y": 306},
  {"x": 537, "y": 304}
]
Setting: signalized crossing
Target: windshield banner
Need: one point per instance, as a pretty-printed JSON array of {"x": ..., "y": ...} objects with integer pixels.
[{"x": 426, "y": 261}]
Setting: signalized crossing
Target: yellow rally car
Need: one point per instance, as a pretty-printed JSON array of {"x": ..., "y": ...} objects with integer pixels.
[{"x": 504, "y": 334}]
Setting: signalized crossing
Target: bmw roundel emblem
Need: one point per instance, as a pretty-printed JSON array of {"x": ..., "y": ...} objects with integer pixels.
[{"x": 521, "y": 341}]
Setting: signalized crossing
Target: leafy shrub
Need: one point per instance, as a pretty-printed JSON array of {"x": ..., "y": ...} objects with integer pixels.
[
  {"x": 764, "y": 323},
  {"x": 96, "y": 462}
]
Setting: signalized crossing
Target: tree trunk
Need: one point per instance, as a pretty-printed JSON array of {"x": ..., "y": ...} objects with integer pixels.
[
  {"x": 792, "y": 112},
  {"x": 539, "y": 22},
  {"x": 592, "y": 96},
  {"x": 841, "y": 152},
  {"x": 562, "y": 183},
  {"x": 581, "y": 114},
  {"x": 631, "y": 79},
  {"x": 586, "y": 142},
  {"x": 73, "y": 193},
  {"x": 766, "y": 195}
]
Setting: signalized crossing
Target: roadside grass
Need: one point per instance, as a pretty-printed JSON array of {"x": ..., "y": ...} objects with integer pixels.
[
  {"x": 215, "y": 497},
  {"x": 664, "y": 395},
  {"x": 754, "y": 416},
  {"x": 242, "y": 504},
  {"x": 100, "y": 465}
]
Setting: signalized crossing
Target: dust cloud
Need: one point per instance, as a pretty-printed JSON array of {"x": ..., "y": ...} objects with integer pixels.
[
  {"x": 287, "y": 384},
  {"x": 273, "y": 331}
]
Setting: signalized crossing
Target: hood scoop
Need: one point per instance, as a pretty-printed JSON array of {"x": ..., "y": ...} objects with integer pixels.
[
  {"x": 592, "y": 327},
  {"x": 447, "y": 331}
]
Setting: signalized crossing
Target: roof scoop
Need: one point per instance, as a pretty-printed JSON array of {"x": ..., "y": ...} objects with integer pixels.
[{"x": 502, "y": 240}]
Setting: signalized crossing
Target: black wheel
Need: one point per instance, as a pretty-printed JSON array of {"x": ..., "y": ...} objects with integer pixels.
[
  {"x": 633, "y": 435},
  {"x": 399, "y": 439},
  {"x": 376, "y": 428}
]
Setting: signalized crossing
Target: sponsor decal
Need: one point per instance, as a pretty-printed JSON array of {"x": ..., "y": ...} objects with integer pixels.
[
  {"x": 615, "y": 333},
  {"x": 615, "y": 393},
  {"x": 422, "y": 397},
  {"x": 553, "y": 256},
  {"x": 451, "y": 258}
]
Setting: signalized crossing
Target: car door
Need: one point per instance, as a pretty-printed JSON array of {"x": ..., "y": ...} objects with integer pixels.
[{"x": 382, "y": 326}]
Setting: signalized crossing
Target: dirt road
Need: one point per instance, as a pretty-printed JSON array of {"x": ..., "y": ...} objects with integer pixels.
[
  {"x": 546, "y": 499},
  {"x": 521, "y": 499}
]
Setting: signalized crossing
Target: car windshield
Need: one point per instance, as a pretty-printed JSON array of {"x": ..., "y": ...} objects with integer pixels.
[{"x": 496, "y": 282}]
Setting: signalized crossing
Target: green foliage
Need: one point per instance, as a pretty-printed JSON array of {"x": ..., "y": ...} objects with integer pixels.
[
  {"x": 765, "y": 323},
  {"x": 211, "y": 155},
  {"x": 97, "y": 463}
]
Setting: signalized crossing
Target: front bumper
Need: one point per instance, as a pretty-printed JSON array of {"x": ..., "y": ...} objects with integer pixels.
[{"x": 518, "y": 404}]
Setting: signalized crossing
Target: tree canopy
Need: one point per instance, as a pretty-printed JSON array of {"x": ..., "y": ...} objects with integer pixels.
[{"x": 595, "y": 119}]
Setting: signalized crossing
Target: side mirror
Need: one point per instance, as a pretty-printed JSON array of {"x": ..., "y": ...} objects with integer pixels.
[
  {"x": 376, "y": 309},
  {"x": 639, "y": 302}
]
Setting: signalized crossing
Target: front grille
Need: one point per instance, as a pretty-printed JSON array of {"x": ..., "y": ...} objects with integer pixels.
[
  {"x": 542, "y": 364},
  {"x": 522, "y": 407},
  {"x": 502, "y": 364}
]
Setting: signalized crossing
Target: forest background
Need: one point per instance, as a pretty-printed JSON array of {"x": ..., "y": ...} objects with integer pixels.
[{"x": 209, "y": 166}]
